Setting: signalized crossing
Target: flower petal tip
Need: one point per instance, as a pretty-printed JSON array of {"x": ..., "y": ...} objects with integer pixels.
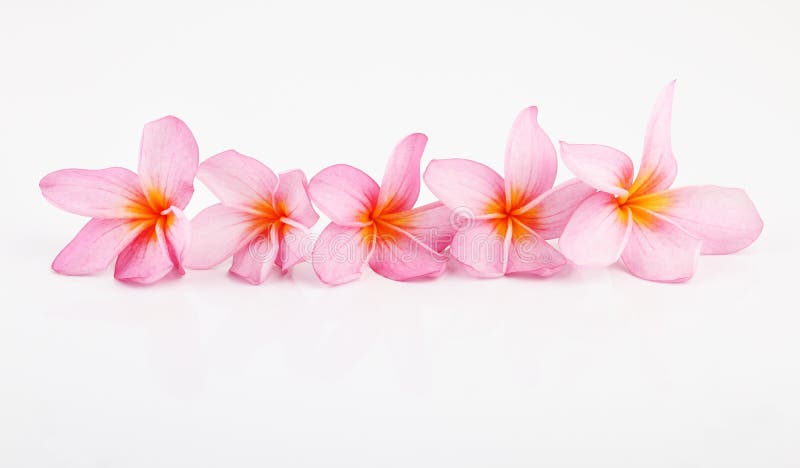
[
  {"x": 532, "y": 112},
  {"x": 169, "y": 118},
  {"x": 418, "y": 138}
]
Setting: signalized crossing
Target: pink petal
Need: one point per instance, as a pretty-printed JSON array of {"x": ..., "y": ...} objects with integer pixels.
[
  {"x": 177, "y": 234},
  {"x": 295, "y": 246},
  {"x": 468, "y": 187},
  {"x": 400, "y": 186},
  {"x": 724, "y": 218},
  {"x": 482, "y": 247},
  {"x": 291, "y": 198},
  {"x": 548, "y": 213},
  {"x": 345, "y": 194},
  {"x": 530, "y": 253},
  {"x": 531, "y": 162},
  {"x": 238, "y": 180},
  {"x": 106, "y": 193},
  {"x": 658, "y": 250},
  {"x": 433, "y": 224},
  {"x": 341, "y": 252},
  {"x": 145, "y": 260},
  {"x": 168, "y": 160},
  {"x": 218, "y": 232},
  {"x": 253, "y": 262},
  {"x": 399, "y": 256},
  {"x": 597, "y": 231},
  {"x": 602, "y": 167},
  {"x": 96, "y": 245},
  {"x": 658, "y": 169}
]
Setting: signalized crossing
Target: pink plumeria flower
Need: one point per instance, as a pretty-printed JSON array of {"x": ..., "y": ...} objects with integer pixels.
[
  {"x": 137, "y": 219},
  {"x": 263, "y": 218},
  {"x": 659, "y": 233},
  {"x": 379, "y": 225},
  {"x": 507, "y": 222}
]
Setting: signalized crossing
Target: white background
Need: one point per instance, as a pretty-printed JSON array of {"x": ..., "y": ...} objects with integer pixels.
[{"x": 589, "y": 368}]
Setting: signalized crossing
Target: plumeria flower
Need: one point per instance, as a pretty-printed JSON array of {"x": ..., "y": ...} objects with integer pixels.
[
  {"x": 379, "y": 225},
  {"x": 658, "y": 232},
  {"x": 506, "y": 222},
  {"x": 136, "y": 218},
  {"x": 263, "y": 218}
]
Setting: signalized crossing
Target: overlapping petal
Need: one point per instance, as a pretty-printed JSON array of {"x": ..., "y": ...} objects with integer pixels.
[
  {"x": 725, "y": 219},
  {"x": 433, "y": 224},
  {"x": 659, "y": 168},
  {"x": 218, "y": 232},
  {"x": 469, "y": 187},
  {"x": 106, "y": 193},
  {"x": 601, "y": 167},
  {"x": 400, "y": 185},
  {"x": 239, "y": 180},
  {"x": 291, "y": 199},
  {"x": 530, "y": 161},
  {"x": 295, "y": 246},
  {"x": 529, "y": 253},
  {"x": 253, "y": 262},
  {"x": 345, "y": 194},
  {"x": 168, "y": 161},
  {"x": 483, "y": 246},
  {"x": 177, "y": 233},
  {"x": 96, "y": 245},
  {"x": 597, "y": 231},
  {"x": 659, "y": 250},
  {"x": 145, "y": 260},
  {"x": 400, "y": 256},
  {"x": 341, "y": 252}
]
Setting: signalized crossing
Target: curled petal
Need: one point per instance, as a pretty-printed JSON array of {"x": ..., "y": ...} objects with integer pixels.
[
  {"x": 106, "y": 193},
  {"x": 597, "y": 231},
  {"x": 145, "y": 260},
  {"x": 399, "y": 256},
  {"x": 400, "y": 186},
  {"x": 345, "y": 194},
  {"x": 239, "y": 181},
  {"x": 602, "y": 167},
  {"x": 341, "y": 252},
  {"x": 531, "y": 162},
  {"x": 433, "y": 224},
  {"x": 468, "y": 187},
  {"x": 96, "y": 246},
  {"x": 253, "y": 262},
  {"x": 659, "y": 250},
  {"x": 218, "y": 232},
  {"x": 291, "y": 198},
  {"x": 548, "y": 213},
  {"x": 295, "y": 246},
  {"x": 658, "y": 168},
  {"x": 725, "y": 219},
  {"x": 177, "y": 235},
  {"x": 168, "y": 159},
  {"x": 530, "y": 253},
  {"x": 482, "y": 247}
]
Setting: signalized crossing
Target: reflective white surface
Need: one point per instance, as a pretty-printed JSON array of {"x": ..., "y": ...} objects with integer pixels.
[{"x": 589, "y": 368}]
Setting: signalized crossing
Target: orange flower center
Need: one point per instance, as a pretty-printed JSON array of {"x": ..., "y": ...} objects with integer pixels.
[{"x": 642, "y": 207}]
